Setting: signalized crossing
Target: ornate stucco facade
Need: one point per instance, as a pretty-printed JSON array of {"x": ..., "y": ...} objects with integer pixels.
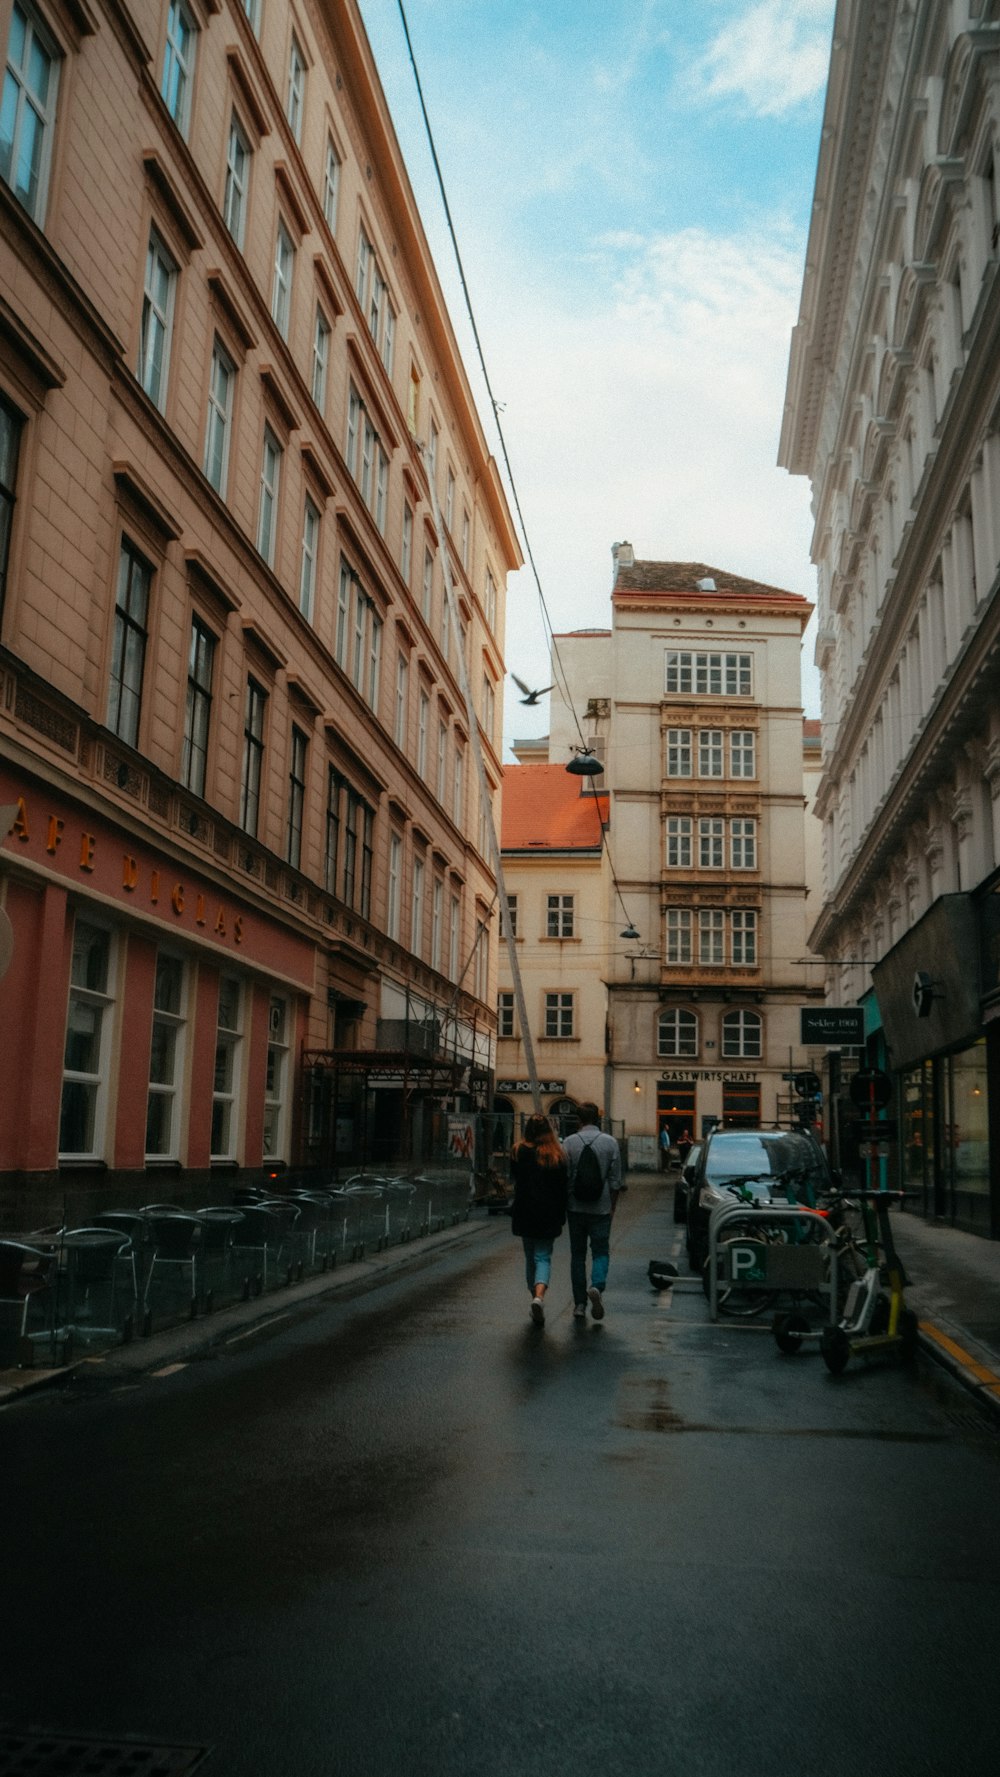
[{"x": 892, "y": 411}]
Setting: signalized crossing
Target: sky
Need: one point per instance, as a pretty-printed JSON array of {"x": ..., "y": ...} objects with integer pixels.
[{"x": 631, "y": 184}]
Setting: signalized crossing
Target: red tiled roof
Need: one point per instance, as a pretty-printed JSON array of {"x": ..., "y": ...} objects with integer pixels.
[
  {"x": 811, "y": 727},
  {"x": 544, "y": 809}
]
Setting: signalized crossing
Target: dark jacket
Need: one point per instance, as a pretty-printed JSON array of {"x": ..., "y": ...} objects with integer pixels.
[{"x": 539, "y": 1195}]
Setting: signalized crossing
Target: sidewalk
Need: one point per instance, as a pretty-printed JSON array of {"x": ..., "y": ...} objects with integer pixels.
[{"x": 954, "y": 1285}]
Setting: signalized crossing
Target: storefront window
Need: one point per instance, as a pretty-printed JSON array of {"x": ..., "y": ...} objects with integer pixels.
[
  {"x": 226, "y": 1081},
  {"x": 88, "y": 1033},
  {"x": 275, "y": 1080},
  {"x": 968, "y": 1139},
  {"x": 162, "y": 1119}
]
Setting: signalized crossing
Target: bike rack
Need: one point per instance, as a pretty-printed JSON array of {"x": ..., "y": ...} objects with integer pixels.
[{"x": 786, "y": 1267}]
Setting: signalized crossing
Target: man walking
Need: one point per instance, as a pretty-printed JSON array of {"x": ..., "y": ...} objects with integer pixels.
[{"x": 593, "y": 1192}]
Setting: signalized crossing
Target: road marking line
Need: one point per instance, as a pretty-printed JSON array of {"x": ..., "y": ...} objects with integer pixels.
[
  {"x": 170, "y": 1369},
  {"x": 980, "y": 1371},
  {"x": 257, "y": 1328}
]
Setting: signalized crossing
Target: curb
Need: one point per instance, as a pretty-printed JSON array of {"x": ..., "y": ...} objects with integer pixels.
[
  {"x": 981, "y": 1382},
  {"x": 178, "y": 1343}
]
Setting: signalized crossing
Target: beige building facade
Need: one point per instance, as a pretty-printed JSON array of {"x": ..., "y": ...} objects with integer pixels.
[
  {"x": 691, "y": 701},
  {"x": 247, "y": 868},
  {"x": 892, "y": 411}
]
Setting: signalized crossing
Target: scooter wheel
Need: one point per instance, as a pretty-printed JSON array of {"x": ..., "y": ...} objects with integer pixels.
[
  {"x": 836, "y": 1349},
  {"x": 789, "y": 1331},
  {"x": 908, "y": 1335}
]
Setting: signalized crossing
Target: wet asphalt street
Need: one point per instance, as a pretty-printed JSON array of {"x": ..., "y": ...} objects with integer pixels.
[{"x": 407, "y": 1532}]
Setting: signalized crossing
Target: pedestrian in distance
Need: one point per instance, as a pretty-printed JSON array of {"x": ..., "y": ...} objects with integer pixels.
[
  {"x": 684, "y": 1146},
  {"x": 595, "y": 1184},
  {"x": 665, "y": 1147},
  {"x": 540, "y": 1174}
]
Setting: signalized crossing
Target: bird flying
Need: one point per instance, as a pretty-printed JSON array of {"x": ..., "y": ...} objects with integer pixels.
[{"x": 529, "y": 695}]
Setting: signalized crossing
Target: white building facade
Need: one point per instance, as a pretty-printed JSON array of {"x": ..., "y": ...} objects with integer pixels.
[{"x": 892, "y": 411}]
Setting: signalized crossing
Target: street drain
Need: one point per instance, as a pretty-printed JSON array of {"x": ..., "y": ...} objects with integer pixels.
[{"x": 86, "y": 1755}]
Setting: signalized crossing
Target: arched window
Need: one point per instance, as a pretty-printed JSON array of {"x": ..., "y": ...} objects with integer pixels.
[
  {"x": 741, "y": 1035},
  {"x": 677, "y": 1033}
]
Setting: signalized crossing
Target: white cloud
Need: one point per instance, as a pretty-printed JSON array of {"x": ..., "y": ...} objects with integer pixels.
[
  {"x": 651, "y": 413},
  {"x": 775, "y": 56}
]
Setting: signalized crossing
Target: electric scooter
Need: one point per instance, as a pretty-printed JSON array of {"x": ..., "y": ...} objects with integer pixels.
[{"x": 874, "y": 1321}]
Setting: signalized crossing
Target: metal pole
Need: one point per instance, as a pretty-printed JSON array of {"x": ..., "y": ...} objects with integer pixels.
[{"x": 486, "y": 803}]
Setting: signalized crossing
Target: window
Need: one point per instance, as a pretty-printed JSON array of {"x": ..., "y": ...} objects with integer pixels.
[
  {"x": 27, "y": 111},
  {"x": 442, "y": 760},
  {"x": 296, "y": 797},
  {"x": 310, "y": 550},
  {"x": 710, "y": 753},
  {"x": 270, "y": 473},
  {"x": 491, "y": 600},
  {"x": 417, "y": 909},
  {"x": 711, "y": 937},
  {"x": 165, "y": 1060},
  {"x": 458, "y": 787},
  {"x": 393, "y": 891},
  {"x": 445, "y": 622},
  {"x": 350, "y": 824},
  {"x": 347, "y": 580},
  {"x": 234, "y": 204},
  {"x": 482, "y": 958},
  {"x": 320, "y": 358},
  {"x": 559, "y": 1015},
  {"x": 295, "y": 99},
  {"x": 742, "y": 761},
  {"x": 489, "y": 708},
  {"x": 381, "y": 489},
  {"x": 406, "y": 556},
  {"x": 222, "y": 381},
  {"x": 225, "y": 1083},
  {"x": 373, "y": 295},
  {"x": 711, "y": 844},
  {"x": 744, "y": 937},
  {"x": 128, "y": 651},
  {"x": 505, "y": 1014},
  {"x": 559, "y": 916},
  {"x": 413, "y": 401},
  {"x": 178, "y": 64},
  {"x": 374, "y": 658},
  {"x": 157, "y": 321},
  {"x": 512, "y": 910},
  {"x": 741, "y": 1035},
  {"x": 449, "y": 500},
  {"x": 678, "y": 752},
  {"x": 332, "y": 860},
  {"x": 678, "y": 842},
  {"x": 88, "y": 1042},
  {"x": 423, "y": 718},
  {"x": 432, "y": 453},
  {"x": 252, "y": 10},
  {"x": 276, "y": 1080},
  {"x": 743, "y": 844},
  {"x": 676, "y": 1033},
  {"x": 678, "y": 935},
  {"x": 428, "y": 586},
  {"x": 281, "y": 292},
  {"x": 466, "y": 533},
  {"x": 11, "y": 427},
  {"x": 402, "y": 699},
  {"x": 253, "y": 756},
  {"x": 437, "y": 905},
  {"x": 714, "y": 675},
  {"x": 198, "y": 709},
  {"x": 353, "y": 423},
  {"x": 331, "y": 185},
  {"x": 454, "y": 931}
]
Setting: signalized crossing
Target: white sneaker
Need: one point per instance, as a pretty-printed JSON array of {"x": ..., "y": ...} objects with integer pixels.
[
  {"x": 596, "y": 1303},
  {"x": 538, "y": 1311}
]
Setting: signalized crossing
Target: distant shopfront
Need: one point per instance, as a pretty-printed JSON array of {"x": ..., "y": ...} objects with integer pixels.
[{"x": 938, "y": 993}]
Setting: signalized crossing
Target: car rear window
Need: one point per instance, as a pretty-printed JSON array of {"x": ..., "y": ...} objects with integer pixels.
[{"x": 742, "y": 1156}]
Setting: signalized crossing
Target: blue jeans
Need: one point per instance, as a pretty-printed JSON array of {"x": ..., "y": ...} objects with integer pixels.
[
  {"x": 596, "y": 1229},
  {"x": 537, "y": 1260}
]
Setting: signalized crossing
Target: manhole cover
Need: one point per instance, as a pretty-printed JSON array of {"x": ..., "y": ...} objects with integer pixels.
[{"x": 86, "y": 1755}]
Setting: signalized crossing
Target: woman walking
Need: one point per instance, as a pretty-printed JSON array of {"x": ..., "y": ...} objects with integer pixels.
[{"x": 540, "y": 1185}]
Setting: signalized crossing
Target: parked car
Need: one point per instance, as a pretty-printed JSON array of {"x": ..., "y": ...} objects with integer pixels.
[
  {"x": 681, "y": 1185},
  {"x": 774, "y": 1165}
]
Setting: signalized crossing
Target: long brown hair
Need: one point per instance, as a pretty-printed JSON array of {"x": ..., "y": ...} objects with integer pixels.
[{"x": 541, "y": 1137}]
